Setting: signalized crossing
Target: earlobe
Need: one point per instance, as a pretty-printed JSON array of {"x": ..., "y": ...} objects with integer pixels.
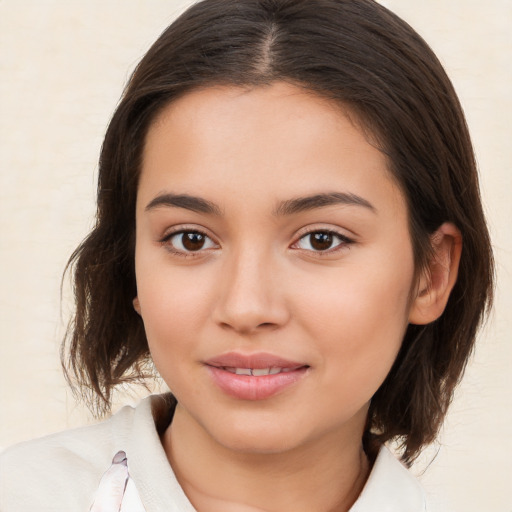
[
  {"x": 437, "y": 280},
  {"x": 136, "y": 305}
]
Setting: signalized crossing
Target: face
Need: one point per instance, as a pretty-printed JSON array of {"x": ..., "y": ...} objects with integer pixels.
[{"x": 274, "y": 265}]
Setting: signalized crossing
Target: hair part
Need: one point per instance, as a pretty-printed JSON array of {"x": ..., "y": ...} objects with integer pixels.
[{"x": 361, "y": 56}]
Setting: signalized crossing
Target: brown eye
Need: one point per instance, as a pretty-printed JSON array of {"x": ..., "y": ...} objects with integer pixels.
[
  {"x": 190, "y": 241},
  {"x": 193, "y": 241},
  {"x": 321, "y": 241}
]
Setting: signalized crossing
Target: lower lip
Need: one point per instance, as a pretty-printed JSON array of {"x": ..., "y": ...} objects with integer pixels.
[{"x": 248, "y": 387}]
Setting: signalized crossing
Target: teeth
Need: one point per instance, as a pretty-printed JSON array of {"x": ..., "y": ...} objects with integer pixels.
[
  {"x": 257, "y": 372},
  {"x": 243, "y": 371}
]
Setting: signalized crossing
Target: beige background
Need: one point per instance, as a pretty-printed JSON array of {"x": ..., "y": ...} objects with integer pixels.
[{"x": 63, "y": 64}]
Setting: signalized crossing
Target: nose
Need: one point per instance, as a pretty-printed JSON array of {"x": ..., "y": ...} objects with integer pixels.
[{"x": 251, "y": 295}]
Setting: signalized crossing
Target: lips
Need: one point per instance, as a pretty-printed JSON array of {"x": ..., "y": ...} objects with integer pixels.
[{"x": 255, "y": 376}]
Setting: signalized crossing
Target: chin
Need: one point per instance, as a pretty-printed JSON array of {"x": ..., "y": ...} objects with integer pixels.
[
  {"x": 259, "y": 435},
  {"x": 258, "y": 443}
]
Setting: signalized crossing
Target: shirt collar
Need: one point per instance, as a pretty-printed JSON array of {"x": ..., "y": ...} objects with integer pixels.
[{"x": 390, "y": 488}]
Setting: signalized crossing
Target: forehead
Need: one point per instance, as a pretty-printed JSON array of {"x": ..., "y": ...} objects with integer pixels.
[{"x": 277, "y": 140}]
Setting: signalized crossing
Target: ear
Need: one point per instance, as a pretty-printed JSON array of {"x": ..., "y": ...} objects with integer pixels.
[
  {"x": 437, "y": 280},
  {"x": 136, "y": 305}
]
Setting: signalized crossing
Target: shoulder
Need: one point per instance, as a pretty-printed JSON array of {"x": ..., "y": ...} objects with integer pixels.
[{"x": 60, "y": 471}]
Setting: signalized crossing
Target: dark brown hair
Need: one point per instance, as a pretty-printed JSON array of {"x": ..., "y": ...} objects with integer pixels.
[{"x": 362, "y": 56}]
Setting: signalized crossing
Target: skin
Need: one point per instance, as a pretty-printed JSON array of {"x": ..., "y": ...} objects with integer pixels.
[{"x": 258, "y": 284}]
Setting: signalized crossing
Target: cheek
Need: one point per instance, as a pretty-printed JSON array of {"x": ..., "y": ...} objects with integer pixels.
[
  {"x": 359, "y": 316},
  {"x": 171, "y": 310},
  {"x": 170, "y": 316},
  {"x": 359, "y": 298},
  {"x": 168, "y": 302},
  {"x": 176, "y": 302}
]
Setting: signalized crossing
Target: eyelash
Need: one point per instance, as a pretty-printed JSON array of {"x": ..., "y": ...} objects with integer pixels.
[
  {"x": 344, "y": 241},
  {"x": 166, "y": 242}
]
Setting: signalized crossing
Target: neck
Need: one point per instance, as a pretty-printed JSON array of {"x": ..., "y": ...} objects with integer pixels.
[{"x": 218, "y": 479}]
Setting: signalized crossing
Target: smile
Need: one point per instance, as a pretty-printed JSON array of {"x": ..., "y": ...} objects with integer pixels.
[{"x": 255, "y": 376}]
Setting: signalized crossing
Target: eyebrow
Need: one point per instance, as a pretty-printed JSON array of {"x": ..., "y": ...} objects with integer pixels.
[
  {"x": 195, "y": 204},
  {"x": 289, "y": 207},
  {"x": 302, "y": 204}
]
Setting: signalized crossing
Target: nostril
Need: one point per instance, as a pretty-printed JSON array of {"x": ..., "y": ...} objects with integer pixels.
[
  {"x": 267, "y": 324},
  {"x": 247, "y": 329}
]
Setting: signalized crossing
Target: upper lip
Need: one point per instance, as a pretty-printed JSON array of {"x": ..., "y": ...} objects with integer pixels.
[{"x": 253, "y": 361}]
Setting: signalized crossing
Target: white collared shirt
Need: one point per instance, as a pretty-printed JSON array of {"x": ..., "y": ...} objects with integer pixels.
[{"x": 121, "y": 463}]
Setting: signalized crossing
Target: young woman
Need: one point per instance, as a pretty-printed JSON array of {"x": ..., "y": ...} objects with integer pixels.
[{"x": 289, "y": 228}]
